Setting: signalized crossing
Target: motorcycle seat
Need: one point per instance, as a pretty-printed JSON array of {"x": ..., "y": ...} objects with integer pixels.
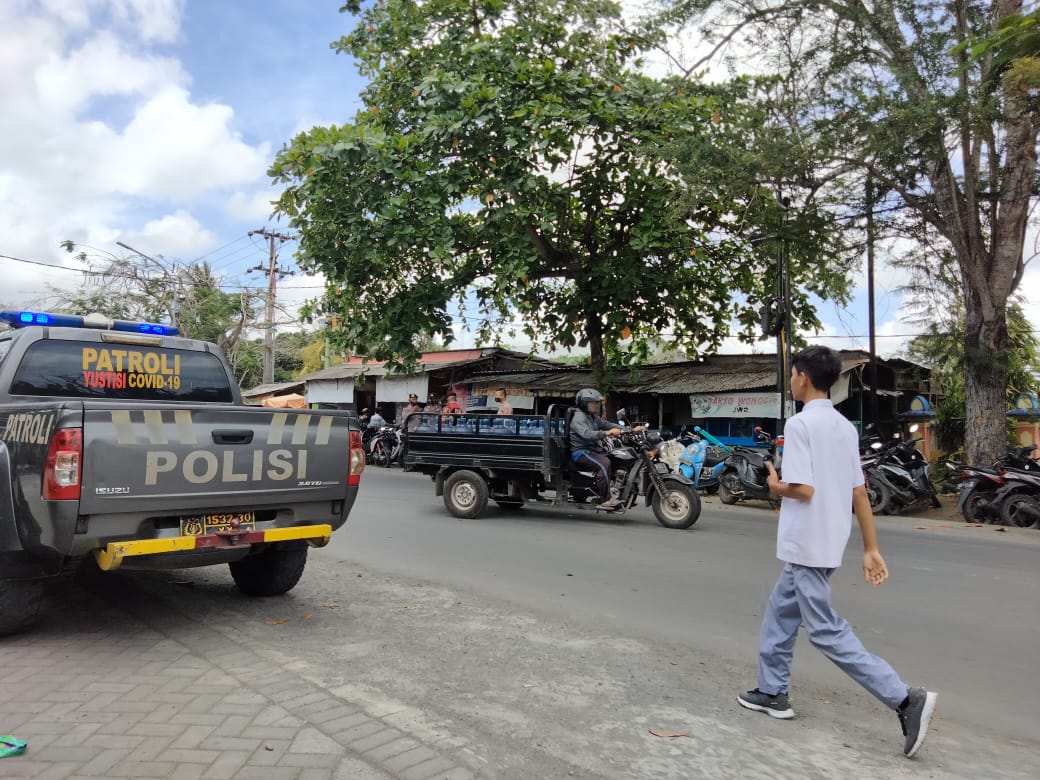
[{"x": 754, "y": 458}]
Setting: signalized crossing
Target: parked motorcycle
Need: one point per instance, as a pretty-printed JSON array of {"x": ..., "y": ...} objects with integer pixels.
[
  {"x": 1019, "y": 499},
  {"x": 980, "y": 496},
  {"x": 380, "y": 446},
  {"x": 703, "y": 460},
  {"x": 901, "y": 471},
  {"x": 744, "y": 475}
]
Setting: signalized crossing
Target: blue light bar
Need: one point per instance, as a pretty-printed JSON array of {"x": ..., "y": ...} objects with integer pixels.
[{"x": 21, "y": 319}]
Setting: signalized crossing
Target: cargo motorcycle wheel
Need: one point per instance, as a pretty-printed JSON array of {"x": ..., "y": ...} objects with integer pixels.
[
  {"x": 272, "y": 572},
  {"x": 729, "y": 484},
  {"x": 465, "y": 494}
]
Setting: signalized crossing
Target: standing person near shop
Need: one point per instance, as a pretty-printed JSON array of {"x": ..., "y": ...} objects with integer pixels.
[
  {"x": 452, "y": 406},
  {"x": 822, "y": 479},
  {"x": 410, "y": 408},
  {"x": 432, "y": 404},
  {"x": 503, "y": 404}
]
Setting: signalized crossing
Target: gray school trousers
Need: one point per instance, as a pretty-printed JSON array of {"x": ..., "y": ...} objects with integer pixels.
[{"x": 802, "y": 595}]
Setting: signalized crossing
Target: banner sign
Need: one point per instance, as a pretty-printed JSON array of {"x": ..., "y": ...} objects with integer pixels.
[{"x": 761, "y": 405}]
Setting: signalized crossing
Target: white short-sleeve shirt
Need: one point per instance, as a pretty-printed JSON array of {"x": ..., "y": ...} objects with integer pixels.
[{"x": 821, "y": 449}]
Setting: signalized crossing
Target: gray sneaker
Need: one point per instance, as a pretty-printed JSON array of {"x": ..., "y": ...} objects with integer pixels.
[
  {"x": 775, "y": 705},
  {"x": 914, "y": 717}
]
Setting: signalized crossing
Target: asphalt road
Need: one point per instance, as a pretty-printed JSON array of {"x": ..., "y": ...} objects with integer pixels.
[{"x": 959, "y": 614}]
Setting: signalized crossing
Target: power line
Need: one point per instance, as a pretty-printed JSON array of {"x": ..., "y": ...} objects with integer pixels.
[
  {"x": 45, "y": 265},
  {"x": 110, "y": 275},
  {"x": 220, "y": 248}
]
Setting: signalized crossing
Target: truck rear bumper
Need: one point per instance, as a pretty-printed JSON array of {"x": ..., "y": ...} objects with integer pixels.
[{"x": 111, "y": 555}]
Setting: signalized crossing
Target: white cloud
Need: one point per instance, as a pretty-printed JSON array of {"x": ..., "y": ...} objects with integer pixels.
[
  {"x": 149, "y": 20},
  {"x": 251, "y": 207},
  {"x": 103, "y": 65},
  {"x": 175, "y": 147},
  {"x": 104, "y": 140},
  {"x": 178, "y": 233}
]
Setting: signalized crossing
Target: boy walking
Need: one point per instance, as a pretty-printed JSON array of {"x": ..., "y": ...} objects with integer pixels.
[{"x": 822, "y": 479}]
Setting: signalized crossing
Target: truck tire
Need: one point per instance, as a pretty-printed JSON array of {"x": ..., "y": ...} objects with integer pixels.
[
  {"x": 465, "y": 494},
  {"x": 679, "y": 507},
  {"x": 19, "y": 604},
  {"x": 272, "y": 572}
]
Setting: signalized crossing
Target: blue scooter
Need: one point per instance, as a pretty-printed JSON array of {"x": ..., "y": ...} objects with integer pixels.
[{"x": 704, "y": 464}]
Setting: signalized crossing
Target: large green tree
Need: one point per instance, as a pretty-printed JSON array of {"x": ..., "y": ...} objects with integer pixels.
[
  {"x": 936, "y": 105},
  {"x": 511, "y": 157}
]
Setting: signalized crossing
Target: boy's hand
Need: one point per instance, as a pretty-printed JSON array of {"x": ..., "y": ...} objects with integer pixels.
[
  {"x": 773, "y": 480},
  {"x": 874, "y": 570}
]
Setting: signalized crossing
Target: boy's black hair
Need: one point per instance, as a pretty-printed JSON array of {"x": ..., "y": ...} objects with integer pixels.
[{"x": 821, "y": 363}]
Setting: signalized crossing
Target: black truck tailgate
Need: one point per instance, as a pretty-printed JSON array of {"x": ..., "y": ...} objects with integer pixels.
[{"x": 185, "y": 457}]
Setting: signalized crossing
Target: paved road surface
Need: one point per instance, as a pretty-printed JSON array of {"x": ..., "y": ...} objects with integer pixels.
[
  {"x": 420, "y": 647},
  {"x": 960, "y": 613}
]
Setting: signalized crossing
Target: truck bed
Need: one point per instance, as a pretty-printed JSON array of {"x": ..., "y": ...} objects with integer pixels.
[{"x": 505, "y": 443}]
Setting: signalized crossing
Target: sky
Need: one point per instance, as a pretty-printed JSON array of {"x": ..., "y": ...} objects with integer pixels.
[{"x": 153, "y": 123}]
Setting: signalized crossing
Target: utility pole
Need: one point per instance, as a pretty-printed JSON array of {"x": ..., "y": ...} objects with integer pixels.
[
  {"x": 783, "y": 294},
  {"x": 273, "y": 273},
  {"x": 870, "y": 304}
]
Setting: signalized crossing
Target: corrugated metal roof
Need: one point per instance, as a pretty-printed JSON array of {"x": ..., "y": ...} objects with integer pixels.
[
  {"x": 430, "y": 361},
  {"x": 353, "y": 370},
  {"x": 673, "y": 382},
  {"x": 664, "y": 380},
  {"x": 274, "y": 387}
]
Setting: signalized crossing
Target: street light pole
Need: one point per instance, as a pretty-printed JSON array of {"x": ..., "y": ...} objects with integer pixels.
[
  {"x": 783, "y": 293},
  {"x": 870, "y": 304}
]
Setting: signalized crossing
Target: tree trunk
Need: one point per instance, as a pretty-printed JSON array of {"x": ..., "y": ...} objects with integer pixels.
[
  {"x": 985, "y": 383},
  {"x": 597, "y": 357}
]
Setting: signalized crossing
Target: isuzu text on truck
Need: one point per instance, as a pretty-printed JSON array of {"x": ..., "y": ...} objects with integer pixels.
[{"x": 122, "y": 442}]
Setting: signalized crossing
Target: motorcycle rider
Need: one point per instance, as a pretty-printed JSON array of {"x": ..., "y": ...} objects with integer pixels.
[
  {"x": 376, "y": 420},
  {"x": 587, "y": 433}
]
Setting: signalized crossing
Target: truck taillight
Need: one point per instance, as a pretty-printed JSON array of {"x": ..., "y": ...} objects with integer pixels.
[
  {"x": 357, "y": 459},
  {"x": 61, "y": 474}
]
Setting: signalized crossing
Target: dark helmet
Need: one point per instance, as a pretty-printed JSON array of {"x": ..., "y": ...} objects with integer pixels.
[{"x": 586, "y": 396}]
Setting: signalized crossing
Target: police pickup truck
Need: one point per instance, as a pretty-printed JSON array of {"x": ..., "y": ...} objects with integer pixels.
[{"x": 123, "y": 443}]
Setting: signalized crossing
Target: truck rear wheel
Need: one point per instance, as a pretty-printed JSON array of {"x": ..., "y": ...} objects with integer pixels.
[
  {"x": 465, "y": 494},
  {"x": 272, "y": 572},
  {"x": 19, "y": 604}
]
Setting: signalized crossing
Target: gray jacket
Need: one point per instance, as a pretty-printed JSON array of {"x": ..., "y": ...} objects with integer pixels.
[{"x": 588, "y": 431}]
